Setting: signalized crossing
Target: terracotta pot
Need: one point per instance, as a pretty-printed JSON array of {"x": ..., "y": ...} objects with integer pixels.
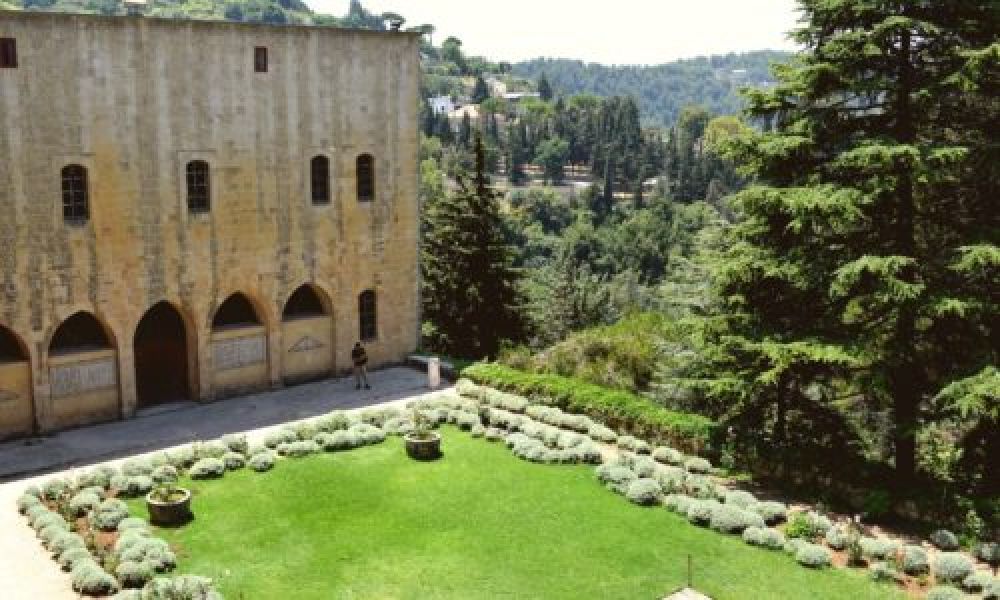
[
  {"x": 423, "y": 448},
  {"x": 176, "y": 512}
]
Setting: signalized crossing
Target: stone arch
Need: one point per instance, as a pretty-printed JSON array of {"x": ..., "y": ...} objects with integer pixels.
[
  {"x": 239, "y": 346},
  {"x": 17, "y": 405},
  {"x": 307, "y": 333},
  {"x": 82, "y": 366},
  {"x": 164, "y": 349}
]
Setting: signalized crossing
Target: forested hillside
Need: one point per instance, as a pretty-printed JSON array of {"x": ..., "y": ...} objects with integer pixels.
[{"x": 663, "y": 90}]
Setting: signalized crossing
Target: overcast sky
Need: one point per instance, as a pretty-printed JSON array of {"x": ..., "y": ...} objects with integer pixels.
[{"x": 605, "y": 31}]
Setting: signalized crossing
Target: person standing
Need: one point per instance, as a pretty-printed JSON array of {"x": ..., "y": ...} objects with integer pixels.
[{"x": 360, "y": 359}]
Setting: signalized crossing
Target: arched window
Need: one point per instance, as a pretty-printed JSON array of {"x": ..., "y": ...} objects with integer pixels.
[
  {"x": 198, "y": 186},
  {"x": 74, "y": 193},
  {"x": 79, "y": 333},
  {"x": 367, "y": 315},
  {"x": 303, "y": 303},
  {"x": 10, "y": 348},
  {"x": 366, "y": 178},
  {"x": 236, "y": 311},
  {"x": 319, "y": 177}
]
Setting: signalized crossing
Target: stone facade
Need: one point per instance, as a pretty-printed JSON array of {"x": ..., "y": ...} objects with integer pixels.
[{"x": 134, "y": 101}]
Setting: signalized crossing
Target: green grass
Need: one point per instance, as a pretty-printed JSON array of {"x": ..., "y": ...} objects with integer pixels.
[{"x": 370, "y": 524}]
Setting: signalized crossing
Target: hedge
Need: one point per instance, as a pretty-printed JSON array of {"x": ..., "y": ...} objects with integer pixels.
[{"x": 622, "y": 411}]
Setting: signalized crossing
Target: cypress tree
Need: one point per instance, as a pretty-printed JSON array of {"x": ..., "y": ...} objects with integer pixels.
[{"x": 470, "y": 287}]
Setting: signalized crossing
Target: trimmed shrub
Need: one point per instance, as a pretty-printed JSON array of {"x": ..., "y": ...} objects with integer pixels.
[
  {"x": 732, "y": 519},
  {"x": 989, "y": 553},
  {"x": 836, "y": 538},
  {"x": 697, "y": 465},
  {"x": 634, "y": 444},
  {"x": 493, "y": 434},
  {"x": 132, "y": 524},
  {"x": 952, "y": 567},
  {"x": 635, "y": 414},
  {"x": 700, "y": 512},
  {"x": 208, "y": 468},
  {"x": 477, "y": 430},
  {"x": 53, "y": 489},
  {"x": 333, "y": 421},
  {"x": 772, "y": 539},
  {"x": 129, "y": 538},
  {"x": 72, "y": 557},
  {"x": 40, "y": 516},
  {"x": 678, "y": 503},
  {"x": 667, "y": 455},
  {"x": 212, "y": 449},
  {"x": 133, "y": 574},
  {"x": 700, "y": 487},
  {"x": 914, "y": 560},
  {"x": 165, "y": 474},
  {"x": 740, "y": 499},
  {"x": 109, "y": 514},
  {"x": 64, "y": 541},
  {"x": 262, "y": 461},
  {"x": 152, "y": 552},
  {"x": 992, "y": 591},
  {"x": 183, "y": 457},
  {"x": 234, "y": 461},
  {"x": 136, "y": 466},
  {"x": 182, "y": 587},
  {"x": 878, "y": 548},
  {"x": 883, "y": 573},
  {"x": 284, "y": 435},
  {"x": 467, "y": 388},
  {"x": 977, "y": 581},
  {"x": 26, "y": 501},
  {"x": 773, "y": 512},
  {"x": 306, "y": 430},
  {"x": 128, "y": 594},
  {"x": 298, "y": 449},
  {"x": 90, "y": 579},
  {"x": 82, "y": 503},
  {"x": 944, "y": 540},
  {"x": 504, "y": 400},
  {"x": 50, "y": 532},
  {"x": 338, "y": 440},
  {"x": 235, "y": 442},
  {"x": 602, "y": 433},
  {"x": 812, "y": 556},
  {"x": 615, "y": 477},
  {"x": 671, "y": 479},
  {"x": 642, "y": 466},
  {"x": 644, "y": 491},
  {"x": 369, "y": 434},
  {"x": 943, "y": 592},
  {"x": 100, "y": 476}
]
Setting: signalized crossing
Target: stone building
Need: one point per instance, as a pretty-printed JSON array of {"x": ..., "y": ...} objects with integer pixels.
[{"x": 193, "y": 209}]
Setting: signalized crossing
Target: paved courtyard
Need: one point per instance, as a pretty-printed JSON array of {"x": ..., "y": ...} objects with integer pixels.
[{"x": 27, "y": 569}]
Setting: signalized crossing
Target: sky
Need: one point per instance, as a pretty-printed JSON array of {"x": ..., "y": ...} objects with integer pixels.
[{"x": 609, "y": 32}]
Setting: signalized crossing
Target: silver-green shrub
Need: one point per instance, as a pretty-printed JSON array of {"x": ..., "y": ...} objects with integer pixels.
[
  {"x": 943, "y": 592},
  {"x": 992, "y": 591},
  {"x": 671, "y": 479},
  {"x": 137, "y": 466},
  {"x": 212, "y": 449},
  {"x": 368, "y": 434},
  {"x": 634, "y": 444},
  {"x": 73, "y": 556},
  {"x": 477, "y": 430},
  {"x": 883, "y": 573},
  {"x": 333, "y": 421},
  {"x": 667, "y": 455},
  {"x": 952, "y": 567},
  {"x": 615, "y": 477},
  {"x": 700, "y": 487},
  {"x": 284, "y": 435},
  {"x": 100, "y": 476},
  {"x": 493, "y": 434},
  {"x": 602, "y": 433},
  {"x": 298, "y": 449},
  {"x": 644, "y": 491},
  {"x": 165, "y": 474},
  {"x": 262, "y": 461},
  {"x": 132, "y": 523},
  {"x": 812, "y": 556},
  {"x": 878, "y": 548},
  {"x": 740, "y": 499},
  {"x": 678, "y": 503},
  {"x": 150, "y": 551},
  {"x": 182, "y": 587},
  {"x": 944, "y": 540},
  {"x": 700, "y": 512},
  {"x": 914, "y": 560},
  {"x": 89, "y": 578},
  {"x": 183, "y": 457},
  {"x": 64, "y": 541},
  {"x": 26, "y": 501},
  {"x": 53, "y": 489},
  {"x": 732, "y": 519},
  {"x": 977, "y": 581},
  {"x": 697, "y": 465},
  {"x": 109, "y": 514},
  {"x": 133, "y": 574},
  {"x": 208, "y": 468},
  {"x": 764, "y": 537},
  {"x": 235, "y": 442},
  {"x": 773, "y": 512},
  {"x": 837, "y": 538},
  {"x": 234, "y": 461}
]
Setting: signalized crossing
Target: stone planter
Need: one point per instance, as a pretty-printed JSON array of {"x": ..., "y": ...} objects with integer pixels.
[
  {"x": 419, "y": 448},
  {"x": 175, "y": 512}
]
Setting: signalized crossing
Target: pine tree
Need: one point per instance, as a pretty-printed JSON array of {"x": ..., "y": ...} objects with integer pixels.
[
  {"x": 470, "y": 288},
  {"x": 480, "y": 91},
  {"x": 865, "y": 247},
  {"x": 544, "y": 88}
]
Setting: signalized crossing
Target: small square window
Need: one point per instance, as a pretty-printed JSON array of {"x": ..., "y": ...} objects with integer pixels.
[
  {"x": 8, "y": 53},
  {"x": 260, "y": 59}
]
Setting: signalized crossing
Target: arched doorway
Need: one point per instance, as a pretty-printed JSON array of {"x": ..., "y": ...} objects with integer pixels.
[
  {"x": 239, "y": 348},
  {"x": 17, "y": 409},
  {"x": 307, "y": 334},
  {"x": 161, "y": 357}
]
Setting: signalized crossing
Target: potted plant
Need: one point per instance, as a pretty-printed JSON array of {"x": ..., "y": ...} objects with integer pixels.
[
  {"x": 422, "y": 443},
  {"x": 169, "y": 505}
]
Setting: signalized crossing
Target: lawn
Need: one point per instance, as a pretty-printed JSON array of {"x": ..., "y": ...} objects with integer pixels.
[{"x": 371, "y": 523}]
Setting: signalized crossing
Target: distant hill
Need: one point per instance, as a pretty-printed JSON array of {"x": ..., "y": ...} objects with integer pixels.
[
  {"x": 663, "y": 90},
  {"x": 258, "y": 11}
]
